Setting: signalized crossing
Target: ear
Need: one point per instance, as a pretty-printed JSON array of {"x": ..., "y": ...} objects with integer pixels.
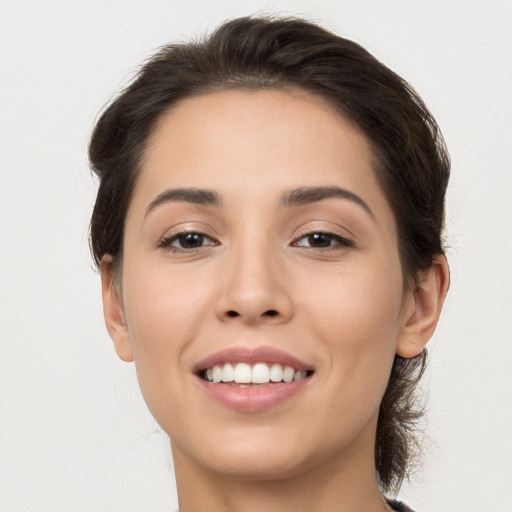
[
  {"x": 424, "y": 310},
  {"x": 113, "y": 311}
]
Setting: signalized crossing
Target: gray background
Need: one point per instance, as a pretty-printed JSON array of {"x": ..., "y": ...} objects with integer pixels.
[{"x": 74, "y": 432}]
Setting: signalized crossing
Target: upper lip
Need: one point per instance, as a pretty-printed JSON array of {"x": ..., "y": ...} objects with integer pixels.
[{"x": 251, "y": 355}]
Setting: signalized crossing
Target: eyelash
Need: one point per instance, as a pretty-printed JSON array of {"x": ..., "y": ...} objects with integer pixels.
[
  {"x": 340, "y": 242},
  {"x": 167, "y": 242}
]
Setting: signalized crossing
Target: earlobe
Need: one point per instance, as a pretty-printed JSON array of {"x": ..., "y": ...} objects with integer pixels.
[
  {"x": 113, "y": 312},
  {"x": 428, "y": 299}
]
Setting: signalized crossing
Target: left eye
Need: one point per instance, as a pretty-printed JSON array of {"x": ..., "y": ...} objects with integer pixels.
[
  {"x": 322, "y": 240},
  {"x": 191, "y": 240}
]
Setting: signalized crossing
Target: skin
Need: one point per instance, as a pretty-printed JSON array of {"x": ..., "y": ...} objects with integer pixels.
[{"x": 341, "y": 308}]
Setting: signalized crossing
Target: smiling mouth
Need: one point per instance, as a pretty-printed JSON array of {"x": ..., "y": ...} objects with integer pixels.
[{"x": 259, "y": 374}]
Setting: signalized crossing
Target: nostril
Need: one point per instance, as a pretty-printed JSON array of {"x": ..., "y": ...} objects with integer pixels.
[{"x": 269, "y": 313}]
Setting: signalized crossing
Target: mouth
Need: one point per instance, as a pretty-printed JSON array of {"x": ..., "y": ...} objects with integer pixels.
[
  {"x": 259, "y": 374},
  {"x": 252, "y": 379}
]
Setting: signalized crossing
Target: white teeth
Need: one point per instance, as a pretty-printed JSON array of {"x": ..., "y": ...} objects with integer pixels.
[
  {"x": 260, "y": 373},
  {"x": 243, "y": 373},
  {"x": 288, "y": 374},
  {"x": 299, "y": 375},
  {"x": 228, "y": 373},
  {"x": 276, "y": 373},
  {"x": 217, "y": 373}
]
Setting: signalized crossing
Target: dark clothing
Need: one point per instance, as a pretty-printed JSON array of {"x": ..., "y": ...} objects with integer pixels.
[{"x": 399, "y": 506}]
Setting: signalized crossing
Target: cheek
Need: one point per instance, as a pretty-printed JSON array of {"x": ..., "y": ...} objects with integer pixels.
[
  {"x": 357, "y": 314},
  {"x": 163, "y": 313},
  {"x": 356, "y": 317},
  {"x": 162, "y": 306}
]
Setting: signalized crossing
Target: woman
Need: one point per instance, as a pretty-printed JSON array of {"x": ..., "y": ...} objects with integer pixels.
[{"x": 268, "y": 229}]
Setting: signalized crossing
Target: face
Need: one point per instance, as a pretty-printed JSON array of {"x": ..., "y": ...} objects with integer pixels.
[{"x": 260, "y": 247}]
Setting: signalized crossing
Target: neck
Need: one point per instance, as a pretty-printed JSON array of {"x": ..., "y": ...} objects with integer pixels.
[{"x": 328, "y": 486}]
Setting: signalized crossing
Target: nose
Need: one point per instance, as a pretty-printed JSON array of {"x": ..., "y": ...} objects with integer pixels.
[{"x": 254, "y": 289}]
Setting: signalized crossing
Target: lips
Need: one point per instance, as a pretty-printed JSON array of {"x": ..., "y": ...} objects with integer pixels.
[{"x": 252, "y": 379}]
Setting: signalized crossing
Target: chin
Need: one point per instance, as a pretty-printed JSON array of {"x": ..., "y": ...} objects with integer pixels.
[
  {"x": 264, "y": 453},
  {"x": 258, "y": 466}
]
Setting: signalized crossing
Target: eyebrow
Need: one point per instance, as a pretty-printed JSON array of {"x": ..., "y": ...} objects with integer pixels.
[
  {"x": 189, "y": 195},
  {"x": 296, "y": 197},
  {"x": 307, "y": 195}
]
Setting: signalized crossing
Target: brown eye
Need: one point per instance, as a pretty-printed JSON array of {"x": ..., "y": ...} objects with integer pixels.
[
  {"x": 322, "y": 241},
  {"x": 319, "y": 240},
  {"x": 190, "y": 240},
  {"x": 187, "y": 241}
]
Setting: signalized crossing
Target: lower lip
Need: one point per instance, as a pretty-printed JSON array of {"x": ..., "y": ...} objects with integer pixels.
[{"x": 253, "y": 398}]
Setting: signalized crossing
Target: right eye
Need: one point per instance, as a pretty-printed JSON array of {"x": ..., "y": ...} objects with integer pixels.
[
  {"x": 323, "y": 240},
  {"x": 186, "y": 241}
]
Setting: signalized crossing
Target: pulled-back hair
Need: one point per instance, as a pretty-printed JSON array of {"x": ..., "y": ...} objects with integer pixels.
[{"x": 410, "y": 158}]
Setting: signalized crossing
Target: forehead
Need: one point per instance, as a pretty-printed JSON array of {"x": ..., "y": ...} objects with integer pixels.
[
  {"x": 256, "y": 145},
  {"x": 243, "y": 131}
]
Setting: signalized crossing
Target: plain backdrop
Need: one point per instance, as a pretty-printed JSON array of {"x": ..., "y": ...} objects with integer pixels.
[{"x": 75, "y": 434}]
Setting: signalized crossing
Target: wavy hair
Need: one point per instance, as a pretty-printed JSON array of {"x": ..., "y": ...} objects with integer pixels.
[{"x": 410, "y": 157}]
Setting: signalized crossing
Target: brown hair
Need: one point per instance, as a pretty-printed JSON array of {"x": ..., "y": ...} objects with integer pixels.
[{"x": 411, "y": 160}]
